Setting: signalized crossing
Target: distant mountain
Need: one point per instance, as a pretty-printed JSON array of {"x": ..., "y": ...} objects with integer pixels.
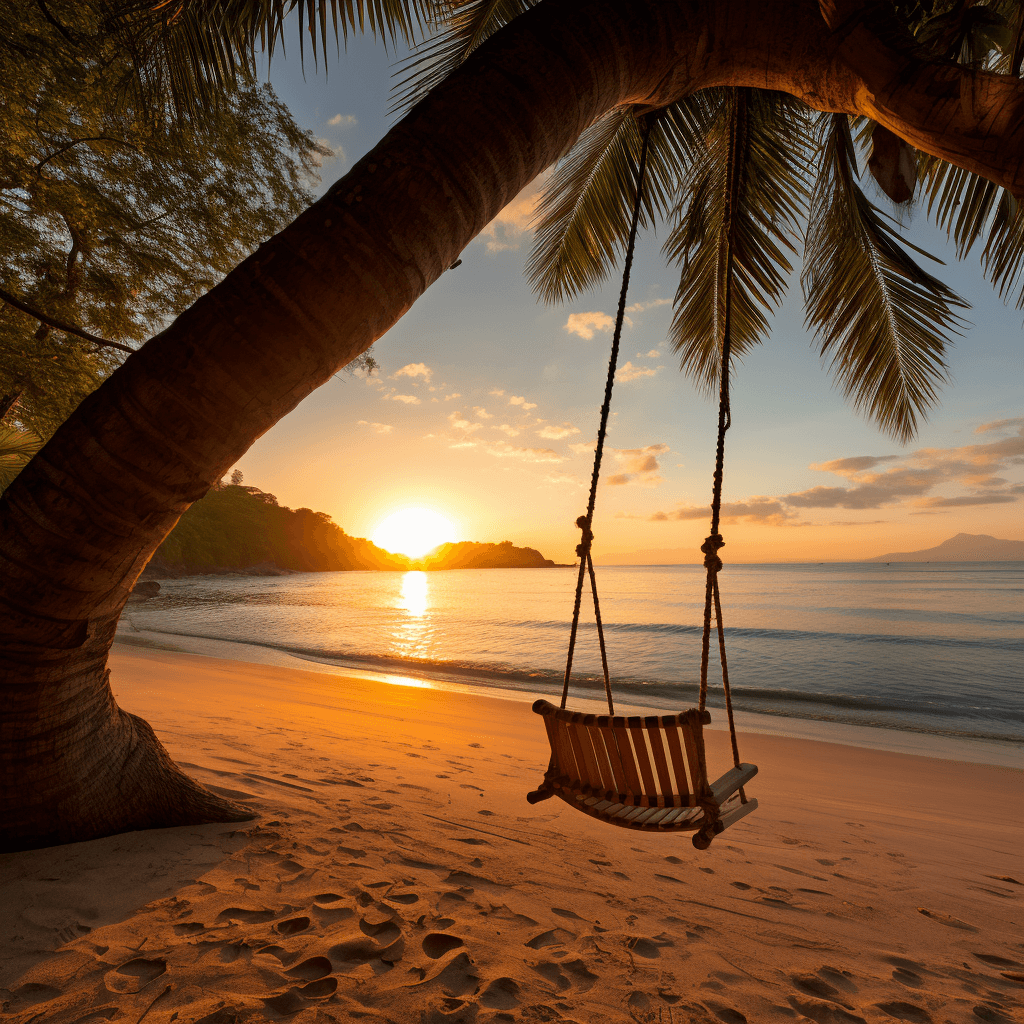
[
  {"x": 964, "y": 547},
  {"x": 471, "y": 555}
]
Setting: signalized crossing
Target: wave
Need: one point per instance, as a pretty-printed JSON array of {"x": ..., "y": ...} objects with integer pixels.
[
  {"x": 742, "y": 632},
  {"x": 877, "y": 711}
]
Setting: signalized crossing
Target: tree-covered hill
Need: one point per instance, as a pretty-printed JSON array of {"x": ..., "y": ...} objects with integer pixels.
[
  {"x": 236, "y": 528},
  {"x": 239, "y": 529},
  {"x": 471, "y": 555}
]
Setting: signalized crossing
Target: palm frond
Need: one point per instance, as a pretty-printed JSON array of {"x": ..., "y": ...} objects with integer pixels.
[
  {"x": 184, "y": 53},
  {"x": 882, "y": 320},
  {"x": 467, "y": 23},
  {"x": 16, "y": 448},
  {"x": 584, "y": 212},
  {"x": 760, "y": 162},
  {"x": 971, "y": 208}
]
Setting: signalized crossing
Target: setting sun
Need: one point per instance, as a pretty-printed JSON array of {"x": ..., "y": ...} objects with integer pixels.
[{"x": 413, "y": 532}]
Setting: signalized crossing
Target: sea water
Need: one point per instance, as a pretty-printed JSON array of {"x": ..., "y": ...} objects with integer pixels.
[{"x": 917, "y": 647}]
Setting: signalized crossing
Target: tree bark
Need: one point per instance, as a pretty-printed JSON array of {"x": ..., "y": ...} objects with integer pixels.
[{"x": 84, "y": 517}]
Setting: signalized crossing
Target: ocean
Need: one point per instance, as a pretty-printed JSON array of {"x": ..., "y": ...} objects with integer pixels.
[{"x": 926, "y": 648}]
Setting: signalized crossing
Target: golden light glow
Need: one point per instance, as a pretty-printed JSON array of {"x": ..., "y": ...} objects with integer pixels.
[
  {"x": 413, "y": 532},
  {"x": 414, "y": 593}
]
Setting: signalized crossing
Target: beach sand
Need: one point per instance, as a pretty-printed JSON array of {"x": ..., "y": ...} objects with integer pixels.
[{"x": 395, "y": 873}]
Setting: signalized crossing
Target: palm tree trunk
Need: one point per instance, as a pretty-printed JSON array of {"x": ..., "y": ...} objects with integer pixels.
[{"x": 83, "y": 518}]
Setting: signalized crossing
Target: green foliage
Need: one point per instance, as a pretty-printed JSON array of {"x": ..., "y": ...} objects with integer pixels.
[
  {"x": 471, "y": 555},
  {"x": 16, "y": 448},
  {"x": 237, "y": 527},
  {"x": 112, "y": 219},
  {"x": 883, "y": 321},
  {"x": 741, "y": 203}
]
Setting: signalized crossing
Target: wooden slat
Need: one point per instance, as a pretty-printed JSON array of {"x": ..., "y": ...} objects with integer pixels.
[
  {"x": 643, "y": 759},
  {"x": 595, "y": 732},
  {"x": 698, "y": 778},
  {"x": 663, "y": 783},
  {"x": 683, "y": 791},
  {"x": 566, "y": 754},
  {"x": 732, "y": 780},
  {"x": 573, "y": 741},
  {"x": 590, "y": 776},
  {"x": 634, "y": 785},
  {"x": 620, "y": 783}
]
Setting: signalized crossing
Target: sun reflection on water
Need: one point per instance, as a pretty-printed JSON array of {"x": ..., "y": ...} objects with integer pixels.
[{"x": 414, "y": 593}]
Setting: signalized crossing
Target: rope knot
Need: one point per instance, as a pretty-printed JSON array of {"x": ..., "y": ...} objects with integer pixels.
[
  {"x": 583, "y": 547},
  {"x": 710, "y": 548}
]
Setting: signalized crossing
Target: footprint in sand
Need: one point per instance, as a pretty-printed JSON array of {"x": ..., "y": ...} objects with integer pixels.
[
  {"x": 134, "y": 975},
  {"x": 725, "y": 1013},
  {"x": 313, "y": 969},
  {"x": 292, "y": 925},
  {"x": 435, "y": 945},
  {"x": 552, "y": 974},
  {"x": 822, "y": 1012},
  {"x": 189, "y": 928},
  {"x": 554, "y": 937},
  {"x": 906, "y": 1011},
  {"x": 501, "y": 994},
  {"x": 582, "y": 978},
  {"x": 241, "y": 914},
  {"x": 997, "y": 961},
  {"x": 909, "y": 978},
  {"x": 949, "y": 922},
  {"x": 991, "y": 1013}
]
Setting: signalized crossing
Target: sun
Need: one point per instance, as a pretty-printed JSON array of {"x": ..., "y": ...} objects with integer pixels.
[{"x": 413, "y": 532}]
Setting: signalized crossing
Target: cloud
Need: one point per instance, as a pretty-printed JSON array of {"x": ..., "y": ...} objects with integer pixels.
[
  {"x": 630, "y": 372},
  {"x": 482, "y": 412},
  {"x": 637, "y": 465},
  {"x": 408, "y": 399},
  {"x": 507, "y": 428},
  {"x": 966, "y": 500},
  {"x": 496, "y": 392},
  {"x": 640, "y": 307},
  {"x": 584, "y": 324},
  {"x": 381, "y": 428},
  {"x": 454, "y": 394},
  {"x": 768, "y": 511},
  {"x": 888, "y": 481},
  {"x": 334, "y": 152},
  {"x": 582, "y": 448},
  {"x": 457, "y": 422},
  {"x": 553, "y": 433},
  {"x": 342, "y": 121},
  {"x": 653, "y": 354},
  {"x": 519, "y": 400},
  {"x": 414, "y": 370},
  {"x": 562, "y": 479},
  {"x": 507, "y": 229},
  {"x": 503, "y": 450}
]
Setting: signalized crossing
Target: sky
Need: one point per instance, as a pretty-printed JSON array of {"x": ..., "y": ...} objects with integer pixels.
[{"x": 486, "y": 404}]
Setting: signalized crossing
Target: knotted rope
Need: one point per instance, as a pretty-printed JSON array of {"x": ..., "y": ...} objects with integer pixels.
[
  {"x": 715, "y": 541},
  {"x": 585, "y": 522}
]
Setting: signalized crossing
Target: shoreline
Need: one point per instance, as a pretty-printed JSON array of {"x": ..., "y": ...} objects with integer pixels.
[{"x": 1006, "y": 753}]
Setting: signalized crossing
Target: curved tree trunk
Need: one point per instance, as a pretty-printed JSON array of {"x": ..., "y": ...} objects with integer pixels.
[{"x": 86, "y": 514}]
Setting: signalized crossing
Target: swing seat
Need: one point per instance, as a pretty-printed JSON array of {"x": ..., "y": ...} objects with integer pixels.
[{"x": 641, "y": 773}]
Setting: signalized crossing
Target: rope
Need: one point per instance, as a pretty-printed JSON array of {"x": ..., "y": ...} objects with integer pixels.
[
  {"x": 585, "y": 522},
  {"x": 715, "y": 541}
]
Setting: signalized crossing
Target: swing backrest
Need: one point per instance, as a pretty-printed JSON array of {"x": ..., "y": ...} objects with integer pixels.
[{"x": 655, "y": 761}]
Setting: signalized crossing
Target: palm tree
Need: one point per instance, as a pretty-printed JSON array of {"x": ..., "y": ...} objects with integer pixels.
[
  {"x": 16, "y": 448},
  {"x": 83, "y": 518}
]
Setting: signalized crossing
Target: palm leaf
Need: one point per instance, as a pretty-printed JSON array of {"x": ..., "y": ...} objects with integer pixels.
[
  {"x": 753, "y": 154},
  {"x": 884, "y": 322},
  {"x": 16, "y": 448},
  {"x": 585, "y": 210},
  {"x": 184, "y": 53},
  {"x": 467, "y": 23}
]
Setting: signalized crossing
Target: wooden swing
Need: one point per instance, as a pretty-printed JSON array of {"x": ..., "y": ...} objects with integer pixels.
[{"x": 648, "y": 773}]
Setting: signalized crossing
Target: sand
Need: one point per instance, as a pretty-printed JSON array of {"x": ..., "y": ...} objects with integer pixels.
[{"x": 395, "y": 873}]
